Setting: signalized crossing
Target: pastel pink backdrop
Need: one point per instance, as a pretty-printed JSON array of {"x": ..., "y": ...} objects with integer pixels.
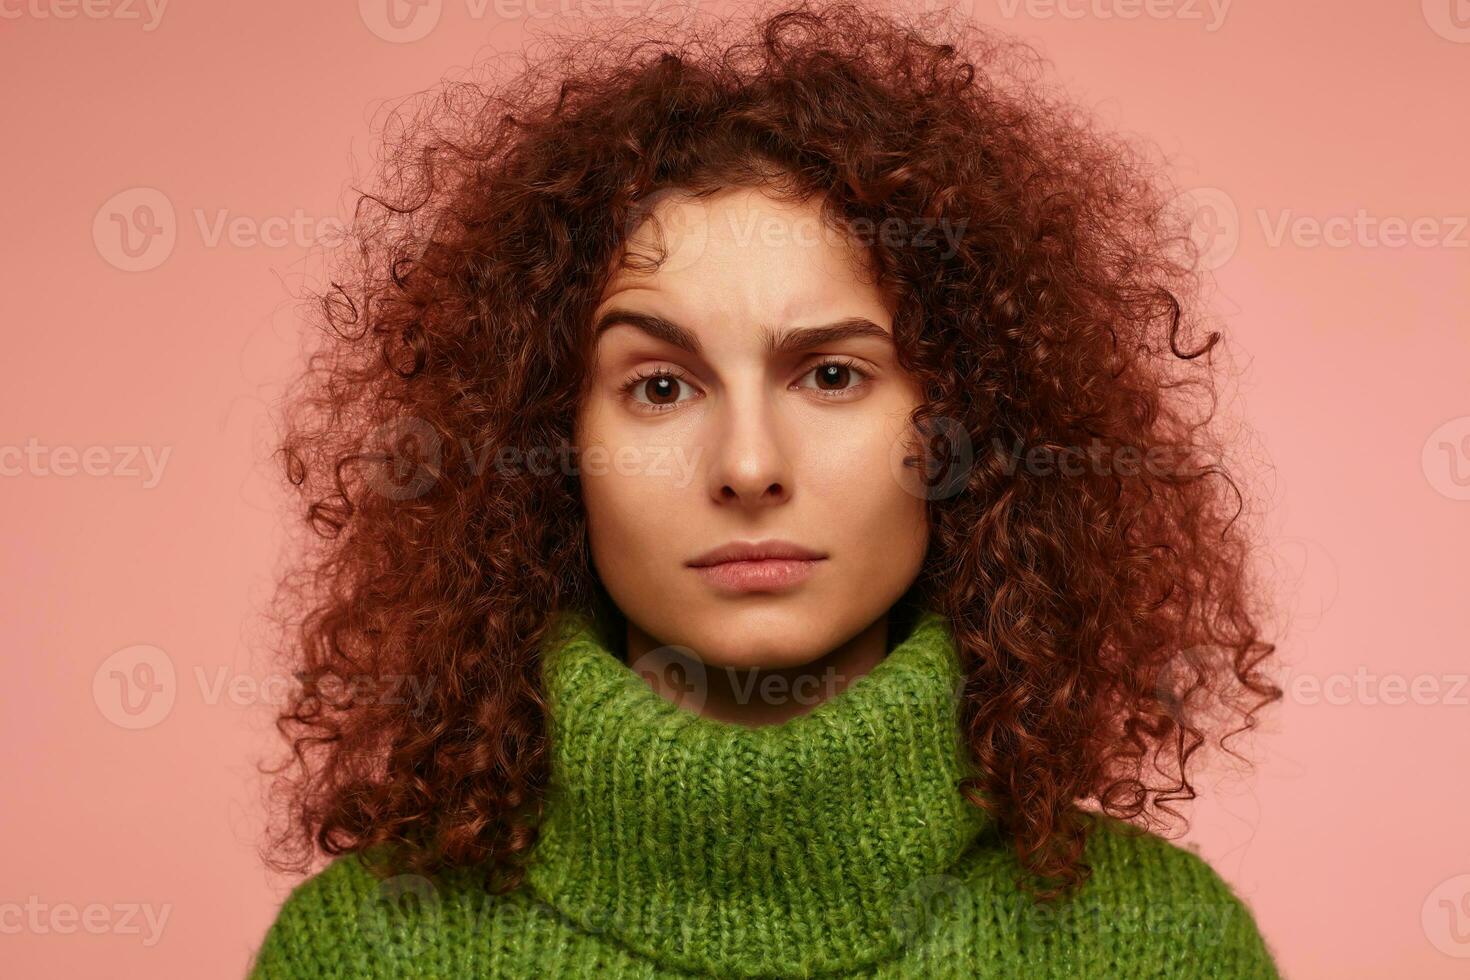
[{"x": 1349, "y": 841}]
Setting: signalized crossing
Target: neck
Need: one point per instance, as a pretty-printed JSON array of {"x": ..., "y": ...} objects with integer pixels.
[{"x": 756, "y": 695}]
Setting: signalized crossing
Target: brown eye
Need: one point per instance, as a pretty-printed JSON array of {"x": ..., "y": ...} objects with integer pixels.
[
  {"x": 662, "y": 389},
  {"x": 658, "y": 390},
  {"x": 837, "y": 377},
  {"x": 834, "y": 375}
]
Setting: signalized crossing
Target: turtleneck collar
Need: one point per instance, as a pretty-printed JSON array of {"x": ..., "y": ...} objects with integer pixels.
[{"x": 782, "y": 849}]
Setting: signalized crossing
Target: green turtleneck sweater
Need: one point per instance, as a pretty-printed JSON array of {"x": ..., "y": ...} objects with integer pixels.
[{"x": 835, "y": 843}]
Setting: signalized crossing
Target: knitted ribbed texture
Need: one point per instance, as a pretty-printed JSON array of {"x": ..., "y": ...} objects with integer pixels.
[{"x": 835, "y": 843}]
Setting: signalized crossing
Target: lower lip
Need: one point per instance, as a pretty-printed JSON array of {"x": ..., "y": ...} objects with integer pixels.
[{"x": 765, "y": 575}]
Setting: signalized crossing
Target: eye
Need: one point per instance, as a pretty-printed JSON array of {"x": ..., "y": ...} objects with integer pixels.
[
  {"x": 655, "y": 390},
  {"x": 836, "y": 376}
]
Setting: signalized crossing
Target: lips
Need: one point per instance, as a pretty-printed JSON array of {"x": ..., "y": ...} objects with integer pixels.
[
  {"x": 757, "y": 566},
  {"x": 756, "y": 551}
]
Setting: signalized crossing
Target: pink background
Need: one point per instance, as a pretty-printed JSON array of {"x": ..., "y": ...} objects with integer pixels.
[{"x": 1350, "y": 841}]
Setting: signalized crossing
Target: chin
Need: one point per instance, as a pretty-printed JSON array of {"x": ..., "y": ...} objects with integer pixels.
[
  {"x": 775, "y": 633},
  {"x": 765, "y": 655}
]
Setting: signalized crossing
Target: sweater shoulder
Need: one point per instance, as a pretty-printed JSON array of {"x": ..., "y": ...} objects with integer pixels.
[
  {"x": 321, "y": 922},
  {"x": 1151, "y": 884},
  {"x": 350, "y": 920},
  {"x": 1120, "y": 852}
]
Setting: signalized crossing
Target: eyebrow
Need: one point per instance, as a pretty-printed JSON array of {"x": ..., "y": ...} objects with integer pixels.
[{"x": 776, "y": 342}]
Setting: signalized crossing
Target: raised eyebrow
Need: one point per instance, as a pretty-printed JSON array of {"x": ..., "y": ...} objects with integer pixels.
[
  {"x": 777, "y": 342},
  {"x": 652, "y": 324}
]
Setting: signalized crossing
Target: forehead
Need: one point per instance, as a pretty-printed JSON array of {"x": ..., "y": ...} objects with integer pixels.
[{"x": 745, "y": 255}]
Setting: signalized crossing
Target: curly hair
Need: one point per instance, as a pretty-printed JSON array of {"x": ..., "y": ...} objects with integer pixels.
[{"x": 1086, "y": 537}]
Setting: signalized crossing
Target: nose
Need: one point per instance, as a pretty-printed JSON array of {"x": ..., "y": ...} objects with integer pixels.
[{"x": 750, "y": 462}]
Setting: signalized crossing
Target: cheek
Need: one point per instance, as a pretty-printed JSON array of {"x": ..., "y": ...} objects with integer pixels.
[
  {"x": 866, "y": 492},
  {"x": 615, "y": 507},
  {"x": 634, "y": 497}
]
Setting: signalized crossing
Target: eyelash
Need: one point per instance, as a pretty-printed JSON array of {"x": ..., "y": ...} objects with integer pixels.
[{"x": 628, "y": 386}]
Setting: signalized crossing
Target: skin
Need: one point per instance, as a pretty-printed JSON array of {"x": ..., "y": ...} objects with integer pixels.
[{"x": 746, "y": 444}]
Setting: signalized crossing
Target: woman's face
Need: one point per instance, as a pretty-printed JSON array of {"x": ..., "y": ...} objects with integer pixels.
[{"x": 723, "y": 409}]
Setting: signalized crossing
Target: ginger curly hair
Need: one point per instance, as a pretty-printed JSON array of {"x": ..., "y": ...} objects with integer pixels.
[{"x": 1105, "y": 611}]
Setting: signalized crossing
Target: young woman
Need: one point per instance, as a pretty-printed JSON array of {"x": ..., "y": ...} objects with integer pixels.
[{"x": 768, "y": 527}]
